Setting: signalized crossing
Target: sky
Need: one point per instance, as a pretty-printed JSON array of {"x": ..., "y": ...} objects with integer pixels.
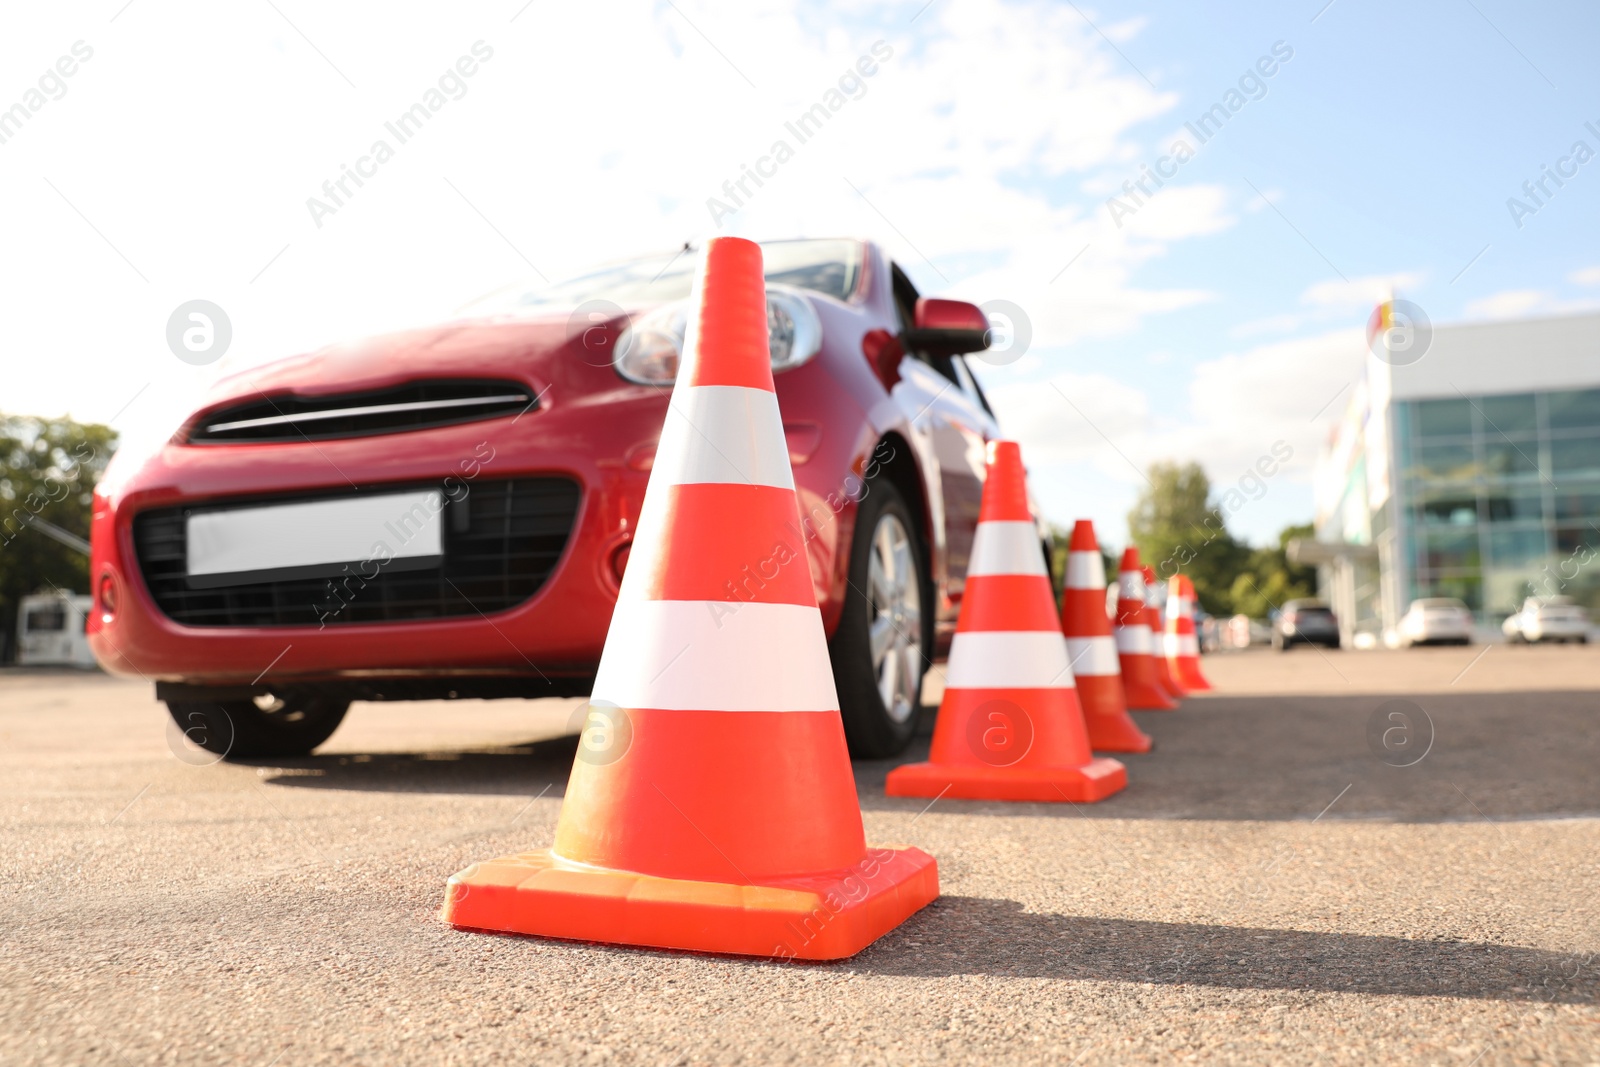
[{"x": 1216, "y": 318}]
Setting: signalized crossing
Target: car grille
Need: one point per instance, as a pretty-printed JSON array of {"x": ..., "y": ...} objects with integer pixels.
[
  {"x": 414, "y": 406},
  {"x": 501, "y": 541}
]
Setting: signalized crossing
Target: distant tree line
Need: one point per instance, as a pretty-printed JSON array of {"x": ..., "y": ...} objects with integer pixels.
[
  {"x": 48, "y": 471},
  {"x": 1177, "y": 527}
]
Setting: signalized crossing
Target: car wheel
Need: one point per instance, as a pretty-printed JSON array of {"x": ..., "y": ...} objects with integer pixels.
[
  {"x": 878, "y": 646},
  {"x": 269, "y": 726}
]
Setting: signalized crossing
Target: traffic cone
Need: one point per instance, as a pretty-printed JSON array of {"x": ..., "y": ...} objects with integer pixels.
[
  {"x": 1010, "y": 726},
  {"x": 1139, "y": 682},
  {"x": 712, "y": 806},
  {"x": 1158, "y": 648},
  {"x": 1093, "y": 652},
  {"x": 1182, "y": 647}
]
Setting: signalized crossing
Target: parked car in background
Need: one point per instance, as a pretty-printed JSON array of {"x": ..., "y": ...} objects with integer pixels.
[
  {"x": 1436, "y": 620},
  {"x": 1550, "y": 618},
  {"x": 50, "y": 630},
  {"x": 500, "y": 461},
  {"x": 1241, "y": 631},
  {"x": 1305, "y": 622}
]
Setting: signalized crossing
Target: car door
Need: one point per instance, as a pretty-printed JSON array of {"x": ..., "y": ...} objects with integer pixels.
[{"x": 945, "y": 405}]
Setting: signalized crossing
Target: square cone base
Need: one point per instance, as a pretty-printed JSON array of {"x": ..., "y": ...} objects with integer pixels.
[
  {"x": 1095, "y": 780},
  {"x": 823, "y": 917}
]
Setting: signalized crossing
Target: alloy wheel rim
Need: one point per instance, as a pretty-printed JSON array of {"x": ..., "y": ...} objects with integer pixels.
[{"x": 894, "y": 607}]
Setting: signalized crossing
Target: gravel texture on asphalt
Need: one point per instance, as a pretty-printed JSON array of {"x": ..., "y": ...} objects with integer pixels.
[{"x": 1275, "y": 886}]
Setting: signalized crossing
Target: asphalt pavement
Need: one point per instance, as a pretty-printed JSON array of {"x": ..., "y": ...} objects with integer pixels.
[{"x": 1293, "y": 876}]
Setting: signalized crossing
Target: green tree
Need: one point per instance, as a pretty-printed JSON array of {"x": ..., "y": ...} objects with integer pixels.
[
  {"x": 48, "y": 469},
  {"x": 1269, "y": 578},
  {"x": 1177, "y": 530}
]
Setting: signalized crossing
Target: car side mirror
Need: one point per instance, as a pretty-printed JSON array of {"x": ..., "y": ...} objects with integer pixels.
[{"x": 948, "y": 327}]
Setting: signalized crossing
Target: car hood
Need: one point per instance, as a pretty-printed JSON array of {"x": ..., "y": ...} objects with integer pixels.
[{"x": 467, "y": 348}]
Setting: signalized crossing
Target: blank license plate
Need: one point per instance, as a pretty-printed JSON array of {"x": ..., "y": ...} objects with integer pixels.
[{"x": 275, "y": 542}]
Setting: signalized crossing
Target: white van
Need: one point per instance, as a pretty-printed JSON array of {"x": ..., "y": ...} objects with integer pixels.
[{"x": 50, "y": 631}]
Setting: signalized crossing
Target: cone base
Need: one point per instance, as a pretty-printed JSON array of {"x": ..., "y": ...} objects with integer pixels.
[
  {"x": 824, "y": 917},
  {"x": 1117, "y": 733},
  {"x": 1152, "y": 699},
  {"x": 1095, "y": 780},
  {"x": 1190, "y": 678}
]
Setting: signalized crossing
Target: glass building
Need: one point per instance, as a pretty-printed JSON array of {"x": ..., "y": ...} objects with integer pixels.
[{"x": 1472, "y": 473}]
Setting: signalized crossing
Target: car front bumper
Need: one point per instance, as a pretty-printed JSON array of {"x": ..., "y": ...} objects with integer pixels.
[{"x": 558, "y": 631}]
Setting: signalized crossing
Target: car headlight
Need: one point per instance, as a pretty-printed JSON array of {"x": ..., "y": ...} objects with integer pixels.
[{"x": 650, "y": 348}]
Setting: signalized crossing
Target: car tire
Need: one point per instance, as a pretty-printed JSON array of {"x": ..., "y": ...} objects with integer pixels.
[
  {"x": 877, "y": 602},
  {"x": 271, "y": 727}
]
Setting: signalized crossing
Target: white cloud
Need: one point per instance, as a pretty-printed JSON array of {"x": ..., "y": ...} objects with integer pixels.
[
  {"x": 1268, "y": 400},
  {"x": 1285, "y": 323},
  {"x": 1517, "y": 303},
  {"x": 1062, "y": 420},
  {"x": 1126, "y": 30},
  {"x": 1363, "y": 292},
  {"x": 1267, "y": 198},
  {"x": 1586, "y": 276},
  {"x": 1242, "y": 403},
  {"x": 1332, "y": 301},
  {"x": 224, "y": 124}
]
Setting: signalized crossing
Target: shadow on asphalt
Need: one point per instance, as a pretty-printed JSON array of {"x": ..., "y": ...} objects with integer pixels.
[
  {"x": 1452, "y": 757},
  {"x": 969, "y": 935},
  {"x": 1482, "y": 756},
  {"x": 512, "y": 770}
]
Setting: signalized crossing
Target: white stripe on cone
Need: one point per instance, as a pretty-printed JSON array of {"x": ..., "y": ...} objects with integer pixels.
[
  {"x": 1026, "y": 659},
  {"x": 1093, "y": 655},
  {"x": 723, "y": 433},
  {"x": 1180, "y": 645},
  {"x": 1085, "y": 570},
  {"x": 1005, "y": 548},
  {"x": 1130, "y": 585},
  {"x": 716, "y": 655},
  {"x": 1134, "y": 640}
]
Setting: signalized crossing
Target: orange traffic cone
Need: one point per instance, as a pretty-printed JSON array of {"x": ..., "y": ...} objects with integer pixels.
[
  {"x": 712, "y": 806},
  {"x": 1158, "y": 648},
  {"x": 1139, "y": 682},
  {"x": 1182, "y": 647},
  {"x": 1009, "y": 727},
  {"x": 1093, "y": 652}
]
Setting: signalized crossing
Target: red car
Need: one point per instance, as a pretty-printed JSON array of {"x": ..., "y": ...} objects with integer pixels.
[{"x": 446, "y": 512}]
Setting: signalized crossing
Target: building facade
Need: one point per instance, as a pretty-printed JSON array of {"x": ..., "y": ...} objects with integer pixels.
[{"x": 1471, "y": 472}]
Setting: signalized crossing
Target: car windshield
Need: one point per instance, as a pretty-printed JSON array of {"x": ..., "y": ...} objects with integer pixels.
[{"x": 827, "y": 266}]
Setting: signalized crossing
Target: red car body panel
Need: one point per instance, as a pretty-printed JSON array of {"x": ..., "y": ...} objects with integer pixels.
[{"x": 589, "y": 425}]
